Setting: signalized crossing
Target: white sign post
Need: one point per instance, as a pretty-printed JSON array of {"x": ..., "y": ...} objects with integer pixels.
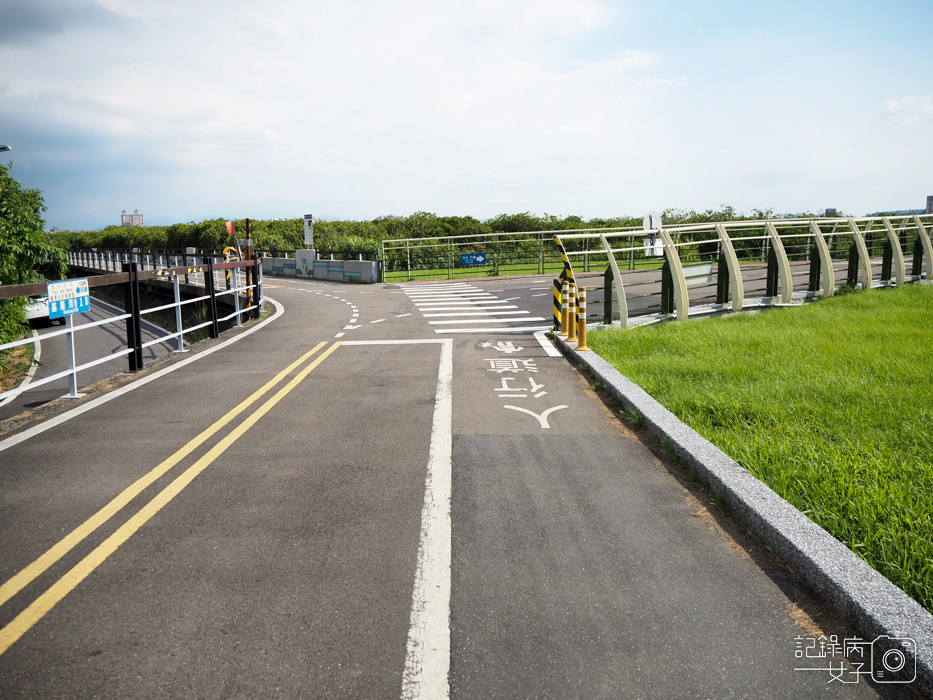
[
  {"x": 67, "y": 298},
  {"x": 653, "y": 247},
  {"x": 309, "y": 231}
]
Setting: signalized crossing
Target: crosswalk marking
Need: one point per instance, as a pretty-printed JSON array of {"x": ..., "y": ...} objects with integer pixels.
[
  {"x": 524, "y": 319},
  {"x": 475, "y": 313},
  {"x": 469, "y": 309}
]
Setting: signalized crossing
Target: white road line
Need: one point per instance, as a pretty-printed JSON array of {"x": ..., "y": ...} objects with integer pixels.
[
  {"x": 541, "y": 337},
  {"x": 447, "y": 292},
  {"x": 439, "y": 288},
  {"x": 426, "y": 289},
  {"x": 454, "y": 296},
  {"x": 506, "y": 329},
  {"x": 535, "y": 289},
  {"x": 524, "y": 319},
  {"x": 460, "y": 302},
  {"x": 442, "y": 287},
  {"x": 490, "y": 302},
  {"x": 539, "y": 295},
  {"x": 84, "y": 408},
  {"x": 380, "y": 320},
  {"x": 340, "y": 335},
  {"x": 477, "y": 313},
  {"x": 511, "y": 299},
  {"x": 427, "y": 662},
  {"x": 402, "y": 315},
  {"x": 427, "y": 659},
  {"x": 476, "y": 307}
]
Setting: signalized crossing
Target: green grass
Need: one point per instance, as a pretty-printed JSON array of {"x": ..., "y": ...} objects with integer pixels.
[
  {"x": 14, "y": 364},
  {"x": 830, "y": 404}
]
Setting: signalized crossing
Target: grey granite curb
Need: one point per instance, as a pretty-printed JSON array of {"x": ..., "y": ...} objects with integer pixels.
[{"x": 855, "y": 591}]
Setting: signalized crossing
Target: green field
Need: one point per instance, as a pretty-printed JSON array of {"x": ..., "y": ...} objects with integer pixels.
[{"x": 830, "y": 404}]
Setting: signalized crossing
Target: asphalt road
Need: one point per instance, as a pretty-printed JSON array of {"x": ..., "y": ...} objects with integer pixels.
[{"x": 253, "y": 522}]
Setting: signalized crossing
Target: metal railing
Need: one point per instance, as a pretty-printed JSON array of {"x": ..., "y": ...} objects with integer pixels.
[
  {"x": 478, "y": 255},
  {"x": 246, "y": 299},
  {"x": 704, "y": 268}
]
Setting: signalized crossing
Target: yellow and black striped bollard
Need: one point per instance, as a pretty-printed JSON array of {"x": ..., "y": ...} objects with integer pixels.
[
  {"x": 572, "y": 313},
  {"x": 565, "y": 309},
  {"x": 557, "y": 310},
  {"x": 581, "y": 333}
]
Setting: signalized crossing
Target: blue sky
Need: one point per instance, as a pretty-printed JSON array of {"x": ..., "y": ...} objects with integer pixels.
[{"x": 355, "y": 109}]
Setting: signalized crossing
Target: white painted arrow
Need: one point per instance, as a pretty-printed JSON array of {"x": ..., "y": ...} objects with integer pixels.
[{"x": 542, "y": 419}]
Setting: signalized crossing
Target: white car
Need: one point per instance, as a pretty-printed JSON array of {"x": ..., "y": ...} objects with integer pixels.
[{"x": 37, "y": 309}]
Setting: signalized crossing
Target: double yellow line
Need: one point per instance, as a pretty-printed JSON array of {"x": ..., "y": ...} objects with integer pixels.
[{"x": 32, "y": 614}]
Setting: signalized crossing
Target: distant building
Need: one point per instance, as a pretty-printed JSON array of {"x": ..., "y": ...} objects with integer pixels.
[
  {"x": 134, "y": 219},
  {"x": 54, "y": 229}
]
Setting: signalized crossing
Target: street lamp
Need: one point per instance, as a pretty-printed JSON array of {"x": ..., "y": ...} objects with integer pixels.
[{"x": 4, "y": 148}]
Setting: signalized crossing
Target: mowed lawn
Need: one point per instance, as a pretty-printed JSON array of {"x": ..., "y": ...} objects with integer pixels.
[{"x": 830, "y": 404}]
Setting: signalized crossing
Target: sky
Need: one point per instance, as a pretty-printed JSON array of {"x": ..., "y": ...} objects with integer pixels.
[{"x": 353, "y": 109}]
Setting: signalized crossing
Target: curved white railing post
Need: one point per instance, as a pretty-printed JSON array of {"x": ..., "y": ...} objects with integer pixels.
[
  {"x": 826, "y": 262},
  {"x": 736, "y": 285},
  {"x": 864, "y": 260},
  {"x": 898, "y": 258},
  {"x": 927, "y": 247},
  {"x": 681, "y": 300},
  {"x": 784, "y": 276},
  {"x": 616, "y": 282}
]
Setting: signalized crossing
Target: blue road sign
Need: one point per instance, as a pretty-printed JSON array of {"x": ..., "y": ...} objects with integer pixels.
[
  {"x": 68, "y": 297},
  {"x": 473, "y": 259}
]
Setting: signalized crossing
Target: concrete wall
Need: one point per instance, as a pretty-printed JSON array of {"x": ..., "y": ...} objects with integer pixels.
[
  {"x": 282, "y": 267},
  {"x": 305, "y": 267}
]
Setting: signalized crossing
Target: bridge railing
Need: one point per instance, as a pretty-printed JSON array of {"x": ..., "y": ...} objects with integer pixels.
[
  {"x": 243, "y": 289},
  {"x": 469, "y": 255},
  {"x": 702, "y": 268}
]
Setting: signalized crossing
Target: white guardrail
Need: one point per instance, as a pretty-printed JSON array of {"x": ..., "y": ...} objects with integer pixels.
[
  {"x": 864, "y": 252},
  {"x": 204, "y": 284}
]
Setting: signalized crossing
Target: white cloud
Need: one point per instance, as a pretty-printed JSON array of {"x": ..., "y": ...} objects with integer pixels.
[
  {"x": 367, "y": 108},
  {"x": 911, "y": 110}
]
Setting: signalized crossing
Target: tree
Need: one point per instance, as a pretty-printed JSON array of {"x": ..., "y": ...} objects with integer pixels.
[{"x": 25, "y": 250}]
